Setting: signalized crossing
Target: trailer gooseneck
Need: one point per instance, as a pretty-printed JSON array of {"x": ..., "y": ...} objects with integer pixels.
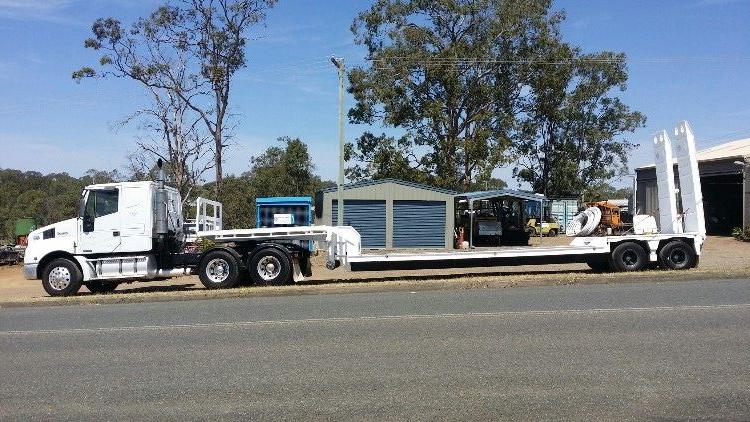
[{"x": 135, "y": 231}]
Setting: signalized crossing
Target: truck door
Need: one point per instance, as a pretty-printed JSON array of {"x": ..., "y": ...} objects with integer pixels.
[{"x": 100, "y": 222}]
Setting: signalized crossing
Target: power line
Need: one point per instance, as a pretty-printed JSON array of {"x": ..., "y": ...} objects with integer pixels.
[{"x": 477, "y": 60}]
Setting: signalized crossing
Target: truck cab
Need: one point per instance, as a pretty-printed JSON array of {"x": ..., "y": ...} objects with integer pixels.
[{"x": 112, "y": 224}]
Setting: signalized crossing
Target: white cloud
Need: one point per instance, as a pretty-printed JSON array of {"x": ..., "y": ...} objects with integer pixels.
[
  {"x": 36, "y": 10},
  {"x": 33, "y": 5}
]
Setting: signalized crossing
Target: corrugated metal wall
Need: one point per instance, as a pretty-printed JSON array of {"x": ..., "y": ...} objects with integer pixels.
[
  {"x": 418, "y": 224},
  {"x": 564, "y": 210},
  {"x": 367, "y": 216},
  {"x": 388, "y": 192}
]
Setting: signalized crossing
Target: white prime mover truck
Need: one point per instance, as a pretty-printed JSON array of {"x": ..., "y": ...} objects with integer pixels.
[{"x": 135, "y": 232}]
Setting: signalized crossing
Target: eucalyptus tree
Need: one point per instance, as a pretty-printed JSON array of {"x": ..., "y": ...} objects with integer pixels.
[
  {"x": 206, "y": 38},
  {"x": 465, "y": 86},
  {"x": 447, "y": 73}
]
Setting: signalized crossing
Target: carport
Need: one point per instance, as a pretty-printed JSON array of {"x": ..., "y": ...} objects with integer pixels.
[{"x": 501, "y": 213}]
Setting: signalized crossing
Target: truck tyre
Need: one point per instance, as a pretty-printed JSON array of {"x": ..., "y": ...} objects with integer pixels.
[
  {"x": 677, "y": 255},
  {"x": 552, "y": 233},
  {"x": 270, "y": 267},
  {"x": 61, "y": 277},
  {"x": 629, "y": 256},
  {"x": 102, "y": 286},
  {"x": 219, "y": 270}
]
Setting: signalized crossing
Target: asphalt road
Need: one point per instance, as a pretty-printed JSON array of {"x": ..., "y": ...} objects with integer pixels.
[{"x": 667, "y": 351}]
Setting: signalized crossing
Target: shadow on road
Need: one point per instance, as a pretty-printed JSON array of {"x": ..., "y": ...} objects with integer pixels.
[
  {"x": 417, "y": 277},
  {"x": 365, "y": 279},
  {"x": 148, "y": 289}
]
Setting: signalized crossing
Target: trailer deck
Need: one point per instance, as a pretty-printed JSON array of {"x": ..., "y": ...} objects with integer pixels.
[
  {"x": 344, "y": 248},
  {"x": 475, "y": 258}
]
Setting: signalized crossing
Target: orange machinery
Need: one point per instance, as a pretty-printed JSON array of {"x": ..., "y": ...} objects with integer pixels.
[{"x": 612, "y": 217}]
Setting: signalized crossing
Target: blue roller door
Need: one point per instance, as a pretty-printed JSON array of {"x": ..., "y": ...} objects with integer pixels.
[
  {"x": 368, "y": 217},
  {"x": 419, "y": 224}
]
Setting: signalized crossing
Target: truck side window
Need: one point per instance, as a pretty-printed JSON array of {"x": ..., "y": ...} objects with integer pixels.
[
  {"x": 106, "y": 202},
  {"x": 101, "y": 203}
]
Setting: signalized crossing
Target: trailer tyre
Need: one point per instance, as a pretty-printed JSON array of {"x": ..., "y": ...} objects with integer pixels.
[
  {"x": 629, "y": 256},
  {"x": 677, "y": 255},
  {"x": 270, "y": 266},
  {"x": 219, "y": 270},
  {"x": 61, "y": 277},
  {"x": 102, "y": 286}
]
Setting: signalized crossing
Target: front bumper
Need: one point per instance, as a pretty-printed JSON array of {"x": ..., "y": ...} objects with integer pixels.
[{"x": 29, "y": 271}]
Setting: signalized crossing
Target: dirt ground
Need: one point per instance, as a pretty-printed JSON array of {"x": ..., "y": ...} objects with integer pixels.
[{"x": 719, "y": 253}]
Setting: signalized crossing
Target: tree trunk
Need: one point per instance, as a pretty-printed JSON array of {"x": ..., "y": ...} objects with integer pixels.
[{"x": 218, "y": 145}]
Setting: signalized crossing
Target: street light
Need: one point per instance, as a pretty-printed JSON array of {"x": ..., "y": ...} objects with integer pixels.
[{"x": 339, "y": 63}]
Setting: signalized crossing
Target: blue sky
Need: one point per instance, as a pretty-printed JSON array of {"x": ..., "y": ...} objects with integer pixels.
[{"x": 49, "y": 123}]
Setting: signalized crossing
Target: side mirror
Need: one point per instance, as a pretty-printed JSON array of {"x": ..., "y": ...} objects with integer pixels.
[
  {"x": 88, "y": 223},
  {"x": 81, "y": 206}
]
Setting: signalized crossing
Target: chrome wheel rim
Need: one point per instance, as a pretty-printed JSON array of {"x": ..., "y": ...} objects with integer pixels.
[
  {"x": 217, "y": 270},
  {"x": 59, "y": 278},
  {"x": 269, "y": 267}
]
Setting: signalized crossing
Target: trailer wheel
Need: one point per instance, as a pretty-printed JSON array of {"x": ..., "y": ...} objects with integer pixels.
[
  {"x": 102, "y": 286},
  {"x": 61, "y": 277},
  {"x": 219, "y": 270},
  {"x": 629, "y": 256},
  {"x": 270, "y": 266},
  {"x": 677, "y": 255}
]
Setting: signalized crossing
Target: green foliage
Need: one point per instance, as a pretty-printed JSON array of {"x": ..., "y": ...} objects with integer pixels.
[
  {"x": 205, "y": 244},
  {"x": 741, "y": 234},
  {"x": 383, "y": 157},
  {"x": 602, "y": 191},
  {"x": 569, "y": 135},
  {"x": 487, "y": 183},
  {"x": 238, "y": 198},
  {"x": 444, "y": 72},
  {"x": 285, "y": 170},
  {"x": 46, "y": 198},
  {"x": 473, "y": 84}
]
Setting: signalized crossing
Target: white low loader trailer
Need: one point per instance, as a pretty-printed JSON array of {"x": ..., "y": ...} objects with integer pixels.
[{"x": 135, "y": 232}]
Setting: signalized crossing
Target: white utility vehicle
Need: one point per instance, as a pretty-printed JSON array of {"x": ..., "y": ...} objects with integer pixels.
[{"x": 135, "y": 231}]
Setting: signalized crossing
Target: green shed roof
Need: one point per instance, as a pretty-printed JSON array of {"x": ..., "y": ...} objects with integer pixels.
[{"x": 365, "y": 183}]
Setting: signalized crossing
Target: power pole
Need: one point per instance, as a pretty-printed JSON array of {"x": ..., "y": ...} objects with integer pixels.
[{"x": 339, "y": 63}]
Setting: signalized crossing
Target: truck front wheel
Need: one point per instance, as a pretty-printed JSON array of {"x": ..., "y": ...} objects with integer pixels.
[
  {"x": 270, "y": 266},
  {"x": 218, "y": 270},
  {"x": 61, "y": 277}
]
